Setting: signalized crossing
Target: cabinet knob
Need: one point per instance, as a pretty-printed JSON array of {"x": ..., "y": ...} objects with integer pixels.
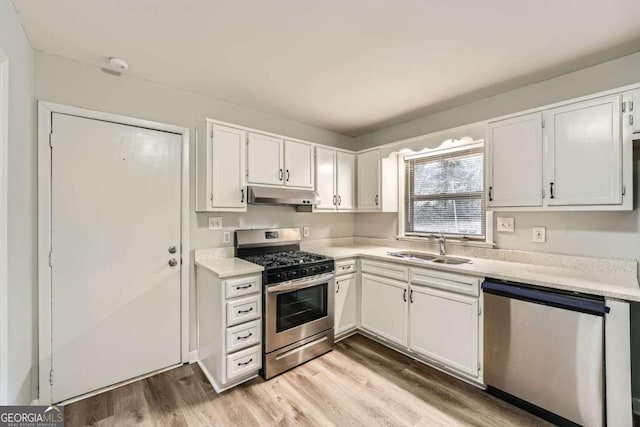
[{"x": 173, "y": 249}]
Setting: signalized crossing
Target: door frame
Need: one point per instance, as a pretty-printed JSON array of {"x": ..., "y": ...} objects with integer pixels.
[
  {"x": 4, "y": 227},
  {"x": 45, "y": 111}
]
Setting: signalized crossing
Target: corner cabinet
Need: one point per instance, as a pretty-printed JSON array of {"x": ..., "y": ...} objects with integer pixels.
[
  {"x": 576, "y": 156},
  {"x": 377, "y": 182},
  {"x": 275, "y": 161},
  {"x": 221, "y": 171},
  {"x": 335, "y": 180}
]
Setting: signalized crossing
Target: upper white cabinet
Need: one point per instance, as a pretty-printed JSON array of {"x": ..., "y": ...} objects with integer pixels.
[
  {"x": 298, "y": 163},
  {"x": 265, "y": 159},
  {"x": 584, "y": 153},
  {"x": 222, "y": 177},
  {"x": 377, "y": 182},
  {"x": 275, "y": 161},
  {"x": 576, "y": 156},
  {"x": 335, "y": 180},
  {"x": 632, "y": 110},
  {"x": 384, "y": 308},
  {"x": 514, "y": 162}
]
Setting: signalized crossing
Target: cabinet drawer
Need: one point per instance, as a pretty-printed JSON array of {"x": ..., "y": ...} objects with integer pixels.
[
  {"x": 452, "y": 282},
  {"x": 243, "y": 309},
  {"x": 242, "y": 286},
  {"x": 244, "y": 335},
  {"x": 244, "y": 362},
  {"x": 345, "y": 267},
  {"x": 392, "y": 271}
]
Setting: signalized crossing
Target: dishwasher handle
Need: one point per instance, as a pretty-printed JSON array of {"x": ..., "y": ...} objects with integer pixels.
[{"x": 553, "y": 299}]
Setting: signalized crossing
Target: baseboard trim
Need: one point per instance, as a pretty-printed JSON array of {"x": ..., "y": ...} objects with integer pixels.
[
  {"x": 35, "y": 402},
  {"x": 636, "y": 405}
]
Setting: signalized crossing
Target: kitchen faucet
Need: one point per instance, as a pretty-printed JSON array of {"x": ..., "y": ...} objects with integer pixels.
[{"x": 442, "y": 240}]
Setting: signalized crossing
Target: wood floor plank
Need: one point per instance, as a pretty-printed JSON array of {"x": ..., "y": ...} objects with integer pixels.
[{"x": 360, "y": 383}]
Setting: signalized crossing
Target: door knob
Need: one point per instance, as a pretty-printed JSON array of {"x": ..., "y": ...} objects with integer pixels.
[
  {"x": 172, "y": 249},
  {"x": 173, "y": 262}
]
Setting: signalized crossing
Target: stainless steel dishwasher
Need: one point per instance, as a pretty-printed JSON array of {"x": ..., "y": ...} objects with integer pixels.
[{"x": 544, "y": 351}]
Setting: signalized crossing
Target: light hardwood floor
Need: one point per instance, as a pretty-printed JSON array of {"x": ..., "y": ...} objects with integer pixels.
[{"x": 360, "y": 383}]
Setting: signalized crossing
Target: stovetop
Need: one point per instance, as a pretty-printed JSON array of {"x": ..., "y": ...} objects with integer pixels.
[{"x": 288, "y": 265}]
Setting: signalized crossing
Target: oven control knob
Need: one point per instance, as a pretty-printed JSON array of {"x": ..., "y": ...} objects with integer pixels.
[
  {"x": 304, "y": 271},
  {"x": 283, "y": 276},
  {"x": 315, "y": 270},
  {"x": 292, "y": 274}
]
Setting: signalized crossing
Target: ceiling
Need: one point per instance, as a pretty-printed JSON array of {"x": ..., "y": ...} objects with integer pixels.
[{"x": 351, "y": 66}]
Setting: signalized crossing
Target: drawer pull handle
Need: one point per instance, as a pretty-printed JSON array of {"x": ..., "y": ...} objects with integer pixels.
[
  {"x": 245, "y": 337},
  {"x": 245, "y": 363},
  {"x": 404, "y": 295},
  {"x": 245, "y": 286},
  {"x": 245, "y": 311}
]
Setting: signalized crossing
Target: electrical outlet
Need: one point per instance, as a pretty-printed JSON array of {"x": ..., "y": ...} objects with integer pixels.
[
  {"x": 215, "y": 223},
  {"x": 305, "y": 231},
  {"x": 226, "y": 237},
  {"x": 506, "y": 225},
  {"x": 539, "y": 234}
]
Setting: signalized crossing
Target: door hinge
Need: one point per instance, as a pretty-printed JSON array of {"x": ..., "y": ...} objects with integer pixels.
[
  {"x": 50, "y": 258},
  {"x": 211, "y": 197},
  {"x": 624, "y": 106},
  {"x": 51, "y": 376},
  {"x": 630, "y": 119},
  {"x": 543, "y": 123},
  {"x": 543, "y": 193},
  {"x": 51, "y": 140},
  {"x": 479, "y": 367},
  {"x": 479, "y": 310},
  {"x": 624, "y": 190},
  {"x": 630, "y": 105}
]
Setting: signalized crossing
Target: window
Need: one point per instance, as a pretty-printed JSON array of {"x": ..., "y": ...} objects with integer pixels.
[{"x": 444, "y": 193}]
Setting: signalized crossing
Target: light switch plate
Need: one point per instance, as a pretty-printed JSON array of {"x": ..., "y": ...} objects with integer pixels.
[
  {"x": 539, "y": 234},
  {"x": 226, "y": 237},
  {"x": 506, "y": 225},
  {"x": 215, "y": 223},
  {"x": 305, "y": 231}
]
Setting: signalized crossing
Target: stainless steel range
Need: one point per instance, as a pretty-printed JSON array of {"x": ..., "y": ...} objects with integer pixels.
[{"x": 298, "y": 292}]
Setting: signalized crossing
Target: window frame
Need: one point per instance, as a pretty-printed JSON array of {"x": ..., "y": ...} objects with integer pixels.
[{"x": 486, "y": 240}]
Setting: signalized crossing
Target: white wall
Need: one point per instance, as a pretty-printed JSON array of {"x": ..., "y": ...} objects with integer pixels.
[
  {"x": 70, "y": 82},
  {"x": 22, "y": 208}
]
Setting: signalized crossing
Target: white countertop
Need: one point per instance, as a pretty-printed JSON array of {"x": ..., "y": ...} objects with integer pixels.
[
  {"x": 539, "y": 275},
  {"x": 228, "y": 267}
]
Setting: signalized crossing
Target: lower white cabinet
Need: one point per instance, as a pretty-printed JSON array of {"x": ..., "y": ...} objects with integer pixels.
[
  {"x": 444, "y": 328},
  {"x": 345, "y": 303},
  {"x": 384, "y": 308}
]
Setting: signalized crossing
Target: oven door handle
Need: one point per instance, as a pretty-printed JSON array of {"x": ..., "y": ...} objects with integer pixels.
[{"x": 305, "y": 282}]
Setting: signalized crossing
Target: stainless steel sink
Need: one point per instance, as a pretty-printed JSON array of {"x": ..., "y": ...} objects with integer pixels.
[
  {"x": 451, "y": 260},
  {"x": 420, "y": 256}
]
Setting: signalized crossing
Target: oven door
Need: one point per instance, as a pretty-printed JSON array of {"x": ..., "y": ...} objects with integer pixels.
[{"x": 298, "y": 309}]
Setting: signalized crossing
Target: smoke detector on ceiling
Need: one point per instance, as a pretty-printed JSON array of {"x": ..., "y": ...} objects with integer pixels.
[{"x": 119, "y": 65}]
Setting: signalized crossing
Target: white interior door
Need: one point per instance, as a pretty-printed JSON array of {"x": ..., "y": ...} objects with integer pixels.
[
  {"x": 325, "y": 179},
  {"x": 298, "y": 162},
  {"x": 115, "y": 309},
  {"x": 345, "y": 174}
]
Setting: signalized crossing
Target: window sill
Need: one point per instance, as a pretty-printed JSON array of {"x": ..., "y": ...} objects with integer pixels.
[{"x": 454, "y": 242}]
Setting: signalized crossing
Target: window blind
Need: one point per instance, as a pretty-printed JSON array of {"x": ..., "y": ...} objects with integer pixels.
[{"x": 444, "y": 193}]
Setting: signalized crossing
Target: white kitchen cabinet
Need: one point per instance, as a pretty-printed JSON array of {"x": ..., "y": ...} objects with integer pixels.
[
  {"x": 265, "y": 160},
  {"x": 584, "y": 158},
  {"x": 514, "y": 162},
  {"x": 444, "y": 327},
  {"x": 222, "y": 177},
  {"x": 384, "y": 308},
  {"x": 335, "y": 176},
  {"x": 377, "y": 182},
  {"x": 298, "y": 164},
  {"x": 345, "y": 303}
]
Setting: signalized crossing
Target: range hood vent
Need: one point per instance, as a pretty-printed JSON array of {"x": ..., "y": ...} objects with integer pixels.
[{"x": 303, "y": 200}]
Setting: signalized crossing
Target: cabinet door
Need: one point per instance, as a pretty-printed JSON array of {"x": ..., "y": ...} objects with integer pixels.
[
  {"x": 514, "y": 155},
  {"x": 228, "y": 168},
  {"x": 345, "y": 178},
  {"x": 384, "y": 308},
  {"x": 444, "y": 327},
  {"x": 369, "y": 180},
  {"x": 584, "y": 160},
  {"x": 325, "y": 179},
  {"x": 298, "y": 163},
  {"x": 345, "y": 303},
  {"x": 265, "y": 160},
  {"x": 633, "y": 111}
]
